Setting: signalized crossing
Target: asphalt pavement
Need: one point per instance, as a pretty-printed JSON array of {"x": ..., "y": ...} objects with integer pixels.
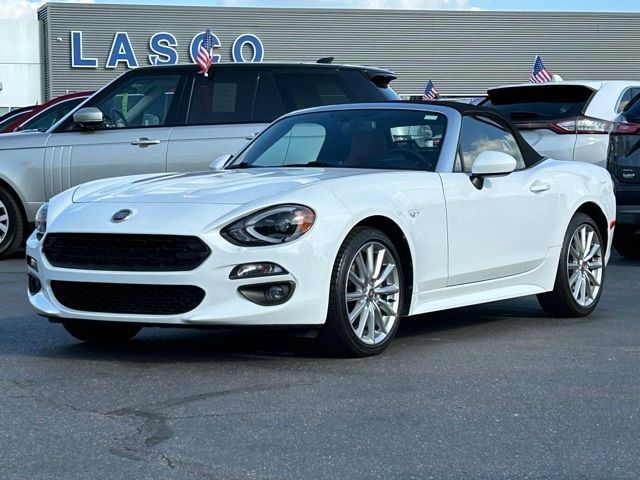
[{"x": 497, "y": 391}]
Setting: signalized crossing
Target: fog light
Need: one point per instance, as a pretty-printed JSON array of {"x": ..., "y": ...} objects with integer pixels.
[
  {"x": 268, "y": 293},
  {"x": 275, "y": 294},
  {"x": 32, "y": 262},
  {"x": 34, "y": 284},
  {"x": 252, "y": 270}
]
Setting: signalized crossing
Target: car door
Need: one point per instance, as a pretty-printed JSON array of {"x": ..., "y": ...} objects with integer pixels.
[
  {"x": 226, "y": 110},
  {"x": 138, "y": 114},
  {"x": 501, "y": 229}
]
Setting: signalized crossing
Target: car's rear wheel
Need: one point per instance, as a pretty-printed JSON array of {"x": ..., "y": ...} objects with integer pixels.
[
  {"x": 580, "y": 273},
  {"x": 365, "y": 299},
  {"x": 626, "y": 241},
  {"x": 101, "y": 332},
  {"x": 11, "y": 224}
]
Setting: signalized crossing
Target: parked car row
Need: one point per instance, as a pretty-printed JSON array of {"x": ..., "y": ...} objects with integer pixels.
[
  {"x": 164, "y": 119},
  {"x": 161, "y": 119}
]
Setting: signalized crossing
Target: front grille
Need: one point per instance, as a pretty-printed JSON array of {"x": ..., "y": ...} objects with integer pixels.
[
  {"x": 128, "y": 298},
  {"x": 140, "y": 253}
]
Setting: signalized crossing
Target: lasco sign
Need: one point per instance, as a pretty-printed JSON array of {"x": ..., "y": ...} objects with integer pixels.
[{"x": 163, "y": 48}]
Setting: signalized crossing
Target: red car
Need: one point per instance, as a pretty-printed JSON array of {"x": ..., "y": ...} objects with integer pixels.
[
  {"x": 42, "y": 117},
  {"x": 10, "y": 117}
]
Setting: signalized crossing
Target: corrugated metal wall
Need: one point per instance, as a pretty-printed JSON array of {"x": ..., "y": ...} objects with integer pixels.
[{"x": 464, "y": 52}]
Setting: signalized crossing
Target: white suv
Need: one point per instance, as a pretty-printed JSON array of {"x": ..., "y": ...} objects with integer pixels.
[{"x": 565, "y": 120}]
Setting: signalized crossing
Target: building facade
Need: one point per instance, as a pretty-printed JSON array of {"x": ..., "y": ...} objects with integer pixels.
[
  {"x": 84, "y": 46},
  {"x": 20, "y": 64}
]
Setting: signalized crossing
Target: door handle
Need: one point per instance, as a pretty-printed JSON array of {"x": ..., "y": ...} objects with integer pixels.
[
  {"x": 251, "y": 136},
  {"x": 538, "y": 187},
  {"x": 145, "y": 142}
]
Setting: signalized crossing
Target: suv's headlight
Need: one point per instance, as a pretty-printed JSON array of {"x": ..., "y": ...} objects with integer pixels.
[
  {"x": 41, "y": 218},
  {"x": 271, "y": 226}
]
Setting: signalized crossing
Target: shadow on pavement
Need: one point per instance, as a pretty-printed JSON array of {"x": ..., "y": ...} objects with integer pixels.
[{"x": 242, "y": 344}]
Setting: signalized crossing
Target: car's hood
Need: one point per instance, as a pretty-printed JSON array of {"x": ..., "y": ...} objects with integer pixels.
[
  {"x": 235, "y": 187},
  {"x": 30, "y": 139}
]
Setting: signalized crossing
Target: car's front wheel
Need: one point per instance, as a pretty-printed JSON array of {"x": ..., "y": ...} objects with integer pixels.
[
  {"x": 12, "y": 228},
  {"x": 101, "y": 332},
  {"x": 365, "y": 300},
  {"x": 627, "y": 242},
  {"x": 580, "y": 273}
]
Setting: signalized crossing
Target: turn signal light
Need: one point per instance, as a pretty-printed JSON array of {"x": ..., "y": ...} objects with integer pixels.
[{"x": 252, "y": 270}]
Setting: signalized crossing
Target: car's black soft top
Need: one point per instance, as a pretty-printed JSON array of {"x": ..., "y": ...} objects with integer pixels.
[{"x": 531, "y": 156}]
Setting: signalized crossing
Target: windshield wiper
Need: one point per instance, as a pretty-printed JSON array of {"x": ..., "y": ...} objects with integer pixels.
[{"x": 310, "y": 164}]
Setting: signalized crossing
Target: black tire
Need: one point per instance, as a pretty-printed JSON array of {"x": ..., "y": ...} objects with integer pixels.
[
  {"x": 560, "y": 302},
  {"x": 627, "y": 242},
  {"x": 104, "y": 333},
  {"x": 337, "y": 336},
  {"x": 15, "y": 234}
]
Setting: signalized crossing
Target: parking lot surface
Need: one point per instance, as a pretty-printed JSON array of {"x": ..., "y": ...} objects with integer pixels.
[{"x": 494, "y": 392}]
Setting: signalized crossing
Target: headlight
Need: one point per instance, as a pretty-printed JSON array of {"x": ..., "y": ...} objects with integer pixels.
[
  {"x": 271, "y": 226},
  {"x": 41, "y": 218}
]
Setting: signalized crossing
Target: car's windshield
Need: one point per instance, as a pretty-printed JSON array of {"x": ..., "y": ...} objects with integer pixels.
[
  {"x": 382, "y": 138},
  {"x": 49, "y": 117}
]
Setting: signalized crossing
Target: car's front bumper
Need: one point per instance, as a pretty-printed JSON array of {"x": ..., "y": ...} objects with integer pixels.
[{"x": 223, "y": 304}]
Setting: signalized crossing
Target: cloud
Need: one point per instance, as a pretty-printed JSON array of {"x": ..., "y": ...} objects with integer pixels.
[{"x": 24, "y": 9}]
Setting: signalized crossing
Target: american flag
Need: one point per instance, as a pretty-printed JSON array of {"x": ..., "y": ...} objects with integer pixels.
[
  {"x": 540, "y": 74},
  {"x": 430, "y": 92},
  {"x": 205, "y": 52}
]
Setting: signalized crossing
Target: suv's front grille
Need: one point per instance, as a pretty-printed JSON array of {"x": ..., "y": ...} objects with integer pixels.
[
  {"x": 145, "y": 253},
  {"x": 126, "y": 298}
]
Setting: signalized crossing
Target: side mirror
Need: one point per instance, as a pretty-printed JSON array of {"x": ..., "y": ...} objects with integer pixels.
[
  {"x": 220, "y": 162},
  {"x": 491, "y": 163},
  {"x": 88, "y": 118}
]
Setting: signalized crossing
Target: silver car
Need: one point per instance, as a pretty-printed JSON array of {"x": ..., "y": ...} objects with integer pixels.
[{"x": 164, "y": 119}]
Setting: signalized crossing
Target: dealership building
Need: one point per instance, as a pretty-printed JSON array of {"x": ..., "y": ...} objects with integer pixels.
[{"x": 79, "y": 46}]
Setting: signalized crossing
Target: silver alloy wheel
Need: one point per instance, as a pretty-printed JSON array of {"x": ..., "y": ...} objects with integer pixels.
[
  {"x": 4, "y": 221},
  {"x": 372, "y": 293},
  {"x": 585, "y": 265}
]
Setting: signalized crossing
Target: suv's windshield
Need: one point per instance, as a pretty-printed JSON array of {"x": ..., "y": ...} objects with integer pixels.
[
  {"x": 542, "y": 102},
  {"x": 383, "y": 139}
]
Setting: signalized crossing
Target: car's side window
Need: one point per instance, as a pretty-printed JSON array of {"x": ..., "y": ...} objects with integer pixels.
[
  {"x": 312, "y": 88},
  {"x": 628, "y": 95},
  {"x": 268, "y": 104},
  {"x": 141, "y": 101},
  {"x": 222, "y": 97},
  {"x": 480, "y": 134}
]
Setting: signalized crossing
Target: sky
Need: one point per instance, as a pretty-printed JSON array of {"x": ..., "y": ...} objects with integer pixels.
[{"x": 18, "y": 9}]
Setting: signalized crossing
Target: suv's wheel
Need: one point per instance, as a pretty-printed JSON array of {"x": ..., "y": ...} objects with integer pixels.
[
  {"x": 11, "y": 224},
  {"x": 101, "y": 332},
  {"x": 580, "y": 274},
  {"x": 627, "y": 242},
  {"x": 365, "y": 298}
]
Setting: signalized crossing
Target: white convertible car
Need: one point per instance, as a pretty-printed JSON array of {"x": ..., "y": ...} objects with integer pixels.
[{"x": 345, "y": 218}]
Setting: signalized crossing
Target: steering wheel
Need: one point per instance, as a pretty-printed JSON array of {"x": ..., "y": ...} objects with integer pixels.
[
  {"x": 117, "y": 116},
  {"x": 409, "y": 155}
]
